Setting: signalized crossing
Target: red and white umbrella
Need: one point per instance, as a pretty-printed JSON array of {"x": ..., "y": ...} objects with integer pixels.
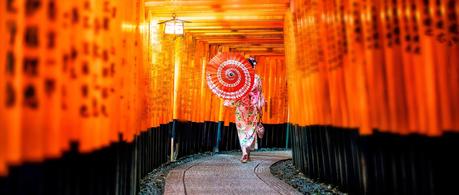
[{"x": 230, "y": 76}]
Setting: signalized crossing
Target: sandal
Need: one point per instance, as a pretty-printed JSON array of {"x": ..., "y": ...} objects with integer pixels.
[{"x": 244, "y": 158}]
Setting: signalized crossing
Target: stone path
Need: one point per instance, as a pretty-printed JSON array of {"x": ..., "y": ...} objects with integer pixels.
[{"x": 225, "y": 174}]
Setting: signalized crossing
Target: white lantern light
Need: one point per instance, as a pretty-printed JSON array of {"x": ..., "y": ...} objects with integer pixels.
[{"x": 174, "y": 26}]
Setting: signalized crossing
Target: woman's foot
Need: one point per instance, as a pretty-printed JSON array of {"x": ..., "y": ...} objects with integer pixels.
[
  {"x": 245, "y": 158},
  {"x": 248, "y": 156}
]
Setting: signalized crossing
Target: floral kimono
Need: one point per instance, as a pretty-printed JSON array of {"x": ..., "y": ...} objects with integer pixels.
[{"x": 248, "y": 115}]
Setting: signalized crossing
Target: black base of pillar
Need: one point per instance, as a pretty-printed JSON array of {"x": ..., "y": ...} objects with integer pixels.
[{"x": 378, "y": 164}]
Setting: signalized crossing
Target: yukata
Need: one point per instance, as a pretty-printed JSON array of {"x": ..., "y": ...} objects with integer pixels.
[{"x": 248, "y": 115}]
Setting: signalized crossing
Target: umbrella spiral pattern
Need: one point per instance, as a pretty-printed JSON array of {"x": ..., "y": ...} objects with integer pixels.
[{"x": 230, "y": 76}]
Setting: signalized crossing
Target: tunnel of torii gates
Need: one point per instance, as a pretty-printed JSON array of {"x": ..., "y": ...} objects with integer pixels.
[{"x": 364, "y": 92}]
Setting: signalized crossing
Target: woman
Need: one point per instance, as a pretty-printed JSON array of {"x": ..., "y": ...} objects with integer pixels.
[{"x": 248, "y": 115}]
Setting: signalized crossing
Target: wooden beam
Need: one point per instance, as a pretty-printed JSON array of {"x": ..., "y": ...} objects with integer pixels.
[
  {"x": 266, "y": 49},
  {"x": 206, "y": 11},
  {"x": 247, "y": 36},
  {"x": 265, "y": 53},
  {"x": 216, "y": 3},
  {"x": 243, "y": 25},
  {"x": 236, "y": 33},
  {"x": 238, "y": 41}
]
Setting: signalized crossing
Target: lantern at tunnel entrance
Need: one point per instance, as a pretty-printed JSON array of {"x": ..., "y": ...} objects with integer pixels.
[{"x": 174, "y": 26}]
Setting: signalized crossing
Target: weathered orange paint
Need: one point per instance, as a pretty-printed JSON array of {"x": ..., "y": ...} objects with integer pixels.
[{"x": 387, "y": 66}]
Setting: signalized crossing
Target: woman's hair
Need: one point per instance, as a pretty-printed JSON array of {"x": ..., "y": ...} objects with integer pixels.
[{"x": 252, "y": 61}]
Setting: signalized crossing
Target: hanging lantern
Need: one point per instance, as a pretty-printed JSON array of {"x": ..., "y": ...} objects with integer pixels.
[{"x": 174, "y": 26}]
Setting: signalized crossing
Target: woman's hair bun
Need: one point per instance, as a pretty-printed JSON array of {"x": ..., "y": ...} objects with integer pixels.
[{"x": 252, "y": 61}]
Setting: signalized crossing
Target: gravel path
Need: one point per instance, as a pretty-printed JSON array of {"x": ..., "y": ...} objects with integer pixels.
[{"x": 285, "y": 171}]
